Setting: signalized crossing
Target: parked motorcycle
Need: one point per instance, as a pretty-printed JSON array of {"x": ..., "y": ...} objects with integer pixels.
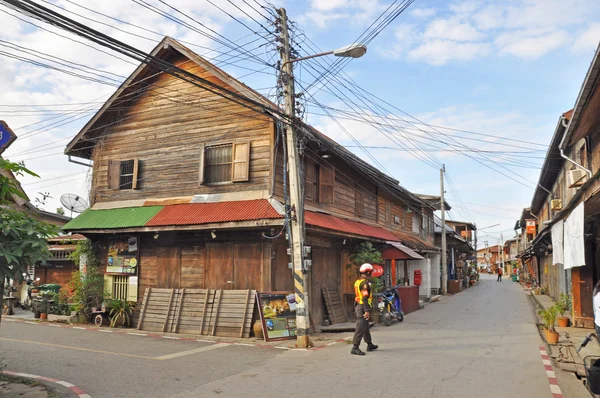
[
  {"x": 32, "y": 291},
  {"x": 390, "y": 305}
]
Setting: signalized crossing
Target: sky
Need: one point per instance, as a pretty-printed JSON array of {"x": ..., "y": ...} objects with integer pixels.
[{"x": 476, "y": 86}]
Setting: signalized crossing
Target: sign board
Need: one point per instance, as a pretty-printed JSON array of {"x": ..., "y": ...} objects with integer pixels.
[
  {"x": 277, "y": 312},
  {"x": 377, "y": 271},
  {"x": 122, "y": 255},
  {"x": 7, "y": 136},
  {"x": 530, "y": 227}
]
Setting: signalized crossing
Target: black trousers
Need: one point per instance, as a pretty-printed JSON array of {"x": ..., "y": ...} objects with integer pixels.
[
  {"x": 499, "y": 278},
  {"x": 362, "y": 327}
]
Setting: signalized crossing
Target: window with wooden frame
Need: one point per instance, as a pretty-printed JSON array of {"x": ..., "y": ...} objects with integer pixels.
[
  {"x": 416, "y": 223},
  {"x": 388, "y": 212},
  {"x": 224, "y": 163},
  {"x": 326, "y": 180},
  {"x": 123, "y": 174},
  {"x": 359, "y": 200},
  {"x": 311, "y": 181}
]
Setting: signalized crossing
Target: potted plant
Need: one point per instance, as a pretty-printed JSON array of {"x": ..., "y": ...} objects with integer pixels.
[
  {"x": 563, "y": 305},
  {"x": 549, "y": 317},
  {"x": 376, "y": 286},
  {"x": 119, "y": 313}
]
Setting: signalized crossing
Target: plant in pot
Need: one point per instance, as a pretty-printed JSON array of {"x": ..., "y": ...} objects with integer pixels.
[
  {"x": 119, "y": 313},
  {"x": 563, "y": 305},
  {"x": 376, "y": 287},
  {"x": 549, "y": 317}
]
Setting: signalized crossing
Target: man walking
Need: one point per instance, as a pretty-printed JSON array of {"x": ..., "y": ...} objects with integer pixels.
[
  {"x": 363, "y": 306},
  {"x": 499, "y": 275}
]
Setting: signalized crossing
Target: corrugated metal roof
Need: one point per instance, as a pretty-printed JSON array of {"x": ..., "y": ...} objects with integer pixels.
[
  {"x": 206, "y": 213},
  {"x": 414, "y": 241},
  {"x": 410, "y": 252},
  {"x": 113, "y": 218},
  {"x": 353, "y": 227}
]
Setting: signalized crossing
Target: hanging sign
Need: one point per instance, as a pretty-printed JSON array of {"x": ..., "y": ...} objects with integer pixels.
[
  {"x": 7, "y": 136},
  {"x": 530, "y": 227},
  {"x": 377, "y": 271},
  {"x": 277, "y": 312}
]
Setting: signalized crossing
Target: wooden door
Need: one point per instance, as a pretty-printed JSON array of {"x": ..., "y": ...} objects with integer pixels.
[
  {"x": 325, "y": 272},
  {"x": 282, "y": 278},
  {"x": 218, "y": 273},
  {"x": 247, "y": 266},
  {"x": 168, "y": 268}
]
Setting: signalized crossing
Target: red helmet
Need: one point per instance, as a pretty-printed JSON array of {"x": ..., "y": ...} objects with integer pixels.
[{"x": 366, "y": 267}]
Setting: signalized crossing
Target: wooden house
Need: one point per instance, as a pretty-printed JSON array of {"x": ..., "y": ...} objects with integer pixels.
[{"x": 188, "y": 191}]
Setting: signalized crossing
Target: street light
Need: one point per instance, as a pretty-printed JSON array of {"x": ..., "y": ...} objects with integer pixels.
[{"x": 351, "y": 51}]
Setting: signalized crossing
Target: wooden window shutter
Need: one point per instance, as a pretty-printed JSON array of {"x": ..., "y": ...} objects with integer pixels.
[
  {"x": 309, "y": 181},
  {"x": 360, "y": 202},
  {"x": 326, "y": 179},
  {"x": 201, "y": 166},
  {"x": 114, "y": 174},
  {"x": 134, "y": 181},
  {"x": 241, "y": 162}
]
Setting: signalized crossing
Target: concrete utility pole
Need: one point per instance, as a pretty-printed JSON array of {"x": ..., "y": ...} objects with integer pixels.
[
  {"x": 296, "y": 240},
  {"x": 502, "y": 243},
  {"x": 444, "y": 260}
]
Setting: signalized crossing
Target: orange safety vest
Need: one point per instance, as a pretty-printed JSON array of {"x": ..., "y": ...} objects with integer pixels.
[{"x": 359, "y": 295}]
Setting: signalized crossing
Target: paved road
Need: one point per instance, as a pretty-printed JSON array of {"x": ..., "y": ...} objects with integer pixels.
[{"x": 481, "y": 342}]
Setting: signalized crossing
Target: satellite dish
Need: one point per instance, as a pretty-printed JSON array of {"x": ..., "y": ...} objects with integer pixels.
[{"x": 74, "y": 203}]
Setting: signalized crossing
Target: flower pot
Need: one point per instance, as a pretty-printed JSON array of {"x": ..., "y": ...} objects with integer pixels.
[
  {"x": 375, "y": 317},
  {"x": 551, "y": 337},
  {"x": 258, "y": 330},
  {"x": 562, "y": 322},
  {"x": 43, "y": 316}
]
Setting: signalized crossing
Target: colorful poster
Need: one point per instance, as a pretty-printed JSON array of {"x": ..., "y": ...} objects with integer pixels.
[
  {"x": 278, "y": 315},
  {"x": 122, "y": 255}
]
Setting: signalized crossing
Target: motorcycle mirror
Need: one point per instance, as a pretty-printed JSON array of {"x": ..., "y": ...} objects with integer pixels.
[{"x": 37, "y": 279}]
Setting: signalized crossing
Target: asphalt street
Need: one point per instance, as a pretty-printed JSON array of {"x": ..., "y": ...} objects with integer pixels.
[{"x": 481, "y": 342}]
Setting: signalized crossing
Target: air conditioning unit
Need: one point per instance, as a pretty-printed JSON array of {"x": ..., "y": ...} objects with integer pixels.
[
  {"x": 556, "y": 204},
  {"x": 576, "y": 178}
]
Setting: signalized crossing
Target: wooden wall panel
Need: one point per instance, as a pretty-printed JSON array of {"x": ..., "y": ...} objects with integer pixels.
[
  {"x": 165, "y": 128},
  {"x": 192, "y": 267},
  {"x": 325, "y": 272},
  {"x": 218, "y": 268},
  {"x": 282, "y": 278},
  {"x": 168, "y": 267},
  {"x": 247, "y": 265}
]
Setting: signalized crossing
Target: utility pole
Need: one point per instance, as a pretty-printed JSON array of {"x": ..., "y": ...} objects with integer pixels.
[
  {"x": 296, "y": 238},
  {"x": 502, "y": 242},
  {"x": 444, "y": 260}
]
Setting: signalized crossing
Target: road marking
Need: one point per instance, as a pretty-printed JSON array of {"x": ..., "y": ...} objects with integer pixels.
[
  {"x": 191, "y": 352},
  {"x": 105, "y": 331},
  {"x": 76, "y": 348},
  {"x": 27, "y": 375},
  {"x": 31, "y": 323},
  {"x": 245, "y": 344},
  {"x": 65, "y": 383},
  {"x": 554, "y": 387},
  {"x": 78, "y": 327},
  {"x": 170, "y": 337},
  {"x": 55, "y": 326},
  {"x": 207, "y": 341},
  {"x": 282, "y": 348},
  {"x": 335, "y": 342},
  {"x": 138, "y": 334}
]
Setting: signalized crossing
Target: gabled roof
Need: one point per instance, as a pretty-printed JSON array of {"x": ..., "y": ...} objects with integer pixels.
[
  {"x": 434, "y": 201},
  {"x": 80, "y": 146}
]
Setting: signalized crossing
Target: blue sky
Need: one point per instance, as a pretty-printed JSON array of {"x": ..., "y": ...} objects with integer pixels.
[{"x": 506, "y": 69}]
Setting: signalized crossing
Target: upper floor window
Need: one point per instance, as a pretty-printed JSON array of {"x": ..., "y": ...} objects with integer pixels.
[
  {"x": 318, "y": 183},
  {"x": 359, "y": 200},
  {"x": 416, "y": 223},
  {"x": 225, "y": 163},
  {"x": 123, "y": 174}
]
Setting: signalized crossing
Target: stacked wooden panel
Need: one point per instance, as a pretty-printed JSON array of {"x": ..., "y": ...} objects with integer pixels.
[
  {"x": 224, "y": 313},
  {"x": 334, "y": 305}
]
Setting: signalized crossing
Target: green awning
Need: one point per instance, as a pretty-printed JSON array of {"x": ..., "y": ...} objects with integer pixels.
[{"x": 114, "y": 218}]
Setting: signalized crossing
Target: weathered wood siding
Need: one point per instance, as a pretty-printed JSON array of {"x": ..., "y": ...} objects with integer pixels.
[{"x": 165, "y": 129}]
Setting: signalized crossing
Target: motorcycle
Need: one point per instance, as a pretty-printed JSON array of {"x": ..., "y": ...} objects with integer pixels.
[
  {"x": 32, "y": 291},
  {"x": 390, "y": 305}
]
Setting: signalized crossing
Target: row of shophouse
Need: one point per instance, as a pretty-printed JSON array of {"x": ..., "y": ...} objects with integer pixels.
[
  {"x": 559, "y": 236},
  {"x": 188, "y": 191}
]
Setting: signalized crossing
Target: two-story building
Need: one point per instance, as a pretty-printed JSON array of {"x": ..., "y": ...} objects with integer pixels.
[
  {"x": 566, "y": 204},
  {"x": 189, "y": 191}
]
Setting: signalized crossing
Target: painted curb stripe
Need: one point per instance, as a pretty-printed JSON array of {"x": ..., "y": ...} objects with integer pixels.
[
  {"x": 552, "y": 381},
  {"x": 76, "y": 390}
]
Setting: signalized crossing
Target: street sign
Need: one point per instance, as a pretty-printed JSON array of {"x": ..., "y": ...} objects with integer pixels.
[{"x": 6, "y": 136}]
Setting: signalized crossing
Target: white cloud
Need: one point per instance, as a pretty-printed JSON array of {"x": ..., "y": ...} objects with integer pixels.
[
  {"x": 440, "y": 52},
  {"x": 531, "y": 43},
  {"x": 423, "y": 12},
  {"x": 588, "y": 39},
  {"x": 526, "y": 29}
]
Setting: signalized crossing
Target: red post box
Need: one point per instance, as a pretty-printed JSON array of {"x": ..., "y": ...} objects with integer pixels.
[{"x": 418, "y": 277}]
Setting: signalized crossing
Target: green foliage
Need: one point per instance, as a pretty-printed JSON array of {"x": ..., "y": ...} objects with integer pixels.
[
  {"x": 85, "y": 289},
  {"x": 549, "y": 316},
  {"x": 376, "y": 285},
  {"x": 59, "y": 306},
  {"x": 120, "y": 311},
  {"x": 60, "y": 210},
  {"x": 10, "y": 186},
  {"x": 363, "y": 253},
  {"x": 564, "y": 304}
]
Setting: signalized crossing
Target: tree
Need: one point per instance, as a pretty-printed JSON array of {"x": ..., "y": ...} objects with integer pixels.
[
  {"x": 23, "y": 238},
  {"x": 60, "y": 210}
]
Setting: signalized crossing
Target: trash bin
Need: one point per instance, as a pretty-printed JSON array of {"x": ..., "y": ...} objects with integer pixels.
[
  {"x": 515, "y": 278},
  {"x": 592, "y": 373}
]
